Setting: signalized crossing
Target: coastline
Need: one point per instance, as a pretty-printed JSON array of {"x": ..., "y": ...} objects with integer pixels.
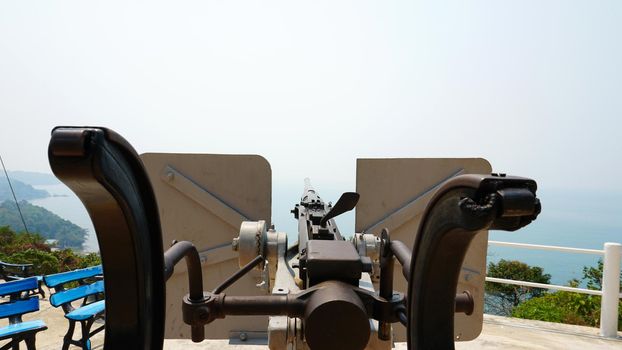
[
  {"x": 66, "y": 204},
  {"x": 581, "y": 221}
]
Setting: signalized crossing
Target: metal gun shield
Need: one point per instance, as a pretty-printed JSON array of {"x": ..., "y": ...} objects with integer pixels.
[
  {"x": 394, "y": 194},
  {"x": 203, "y": 198}
]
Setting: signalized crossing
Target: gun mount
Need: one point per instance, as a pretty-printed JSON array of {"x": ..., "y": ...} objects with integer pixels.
[{"x": 321, "y": 291}]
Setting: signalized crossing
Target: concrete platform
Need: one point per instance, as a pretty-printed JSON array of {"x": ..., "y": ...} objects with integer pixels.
[
  {"x": 515, "y": 333},
  {"x": 498, "y": 333}
]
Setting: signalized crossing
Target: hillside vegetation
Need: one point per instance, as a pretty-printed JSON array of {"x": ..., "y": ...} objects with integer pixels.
[
  {"x": 44, "y": 222},
  {"x": 538, "y": 304},
  {"x": 30, "y": 248},
  {"x": 23, "y": 191}
]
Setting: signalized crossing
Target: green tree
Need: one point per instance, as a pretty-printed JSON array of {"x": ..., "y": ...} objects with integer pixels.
[
  {"x": 30, "y": 248},
  {"x": 593, "y": 276},
  {"x": 568, "y": 307},
  {"x": 23, "y": 190},
  {"x": 44, "y": 263},
  {"x": 502, "y": 298},
  {"x": 562, "y": 307},
  {"x": 48, "y": 224}
]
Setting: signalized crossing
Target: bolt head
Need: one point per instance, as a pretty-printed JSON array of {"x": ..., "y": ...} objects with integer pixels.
[
  {"x": 235, "y": 244},
  {"x": 203, "y": 314}
]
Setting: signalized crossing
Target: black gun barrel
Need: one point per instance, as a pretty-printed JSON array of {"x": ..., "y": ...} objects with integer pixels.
[{"x": 310, "y": 198}]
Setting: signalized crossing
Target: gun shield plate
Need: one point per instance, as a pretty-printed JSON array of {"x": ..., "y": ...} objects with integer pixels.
[
  {"x": 394, "y": 194},
  {"x": 204, "y": 198}
]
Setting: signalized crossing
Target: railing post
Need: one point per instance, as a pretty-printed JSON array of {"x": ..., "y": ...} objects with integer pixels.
[{"x": 611, "y": 290}]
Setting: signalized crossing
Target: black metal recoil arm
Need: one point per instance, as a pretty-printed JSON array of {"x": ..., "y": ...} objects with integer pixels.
[
  {"x": 106, "y": 173},
  {"x": 462, "y": 207}
]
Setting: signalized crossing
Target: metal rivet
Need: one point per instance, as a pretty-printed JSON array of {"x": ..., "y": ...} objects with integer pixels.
[{"x": 243, "y": 336}]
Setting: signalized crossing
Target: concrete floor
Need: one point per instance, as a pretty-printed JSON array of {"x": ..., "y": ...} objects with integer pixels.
[
  {"x": 498, "y": 333},
  {"x": 52, "y": 338}
]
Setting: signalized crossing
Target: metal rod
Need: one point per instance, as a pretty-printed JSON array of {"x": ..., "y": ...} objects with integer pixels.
[
  {"x": 547, "y": 247},
  {"x": 174, "y": 254},
  {"x": 387, "y": 264},
  {"x": 464, "y": 303},
  {"x": 19, "y": 210},
  {"x": 403, "y": 254},
  {"x": 272, "y": 305},
  {"x": 236, "y": 276},
  {"x": 197, "y": 333},
  {"x": 544, "y": 286},
  {"x": 403, "y": 319}
]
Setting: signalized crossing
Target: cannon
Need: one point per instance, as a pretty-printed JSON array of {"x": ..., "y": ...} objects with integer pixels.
[{"x": 325, "y": 291}]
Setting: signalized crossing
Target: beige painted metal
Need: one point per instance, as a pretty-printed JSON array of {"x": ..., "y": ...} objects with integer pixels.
[
  {"x": 250, "y": 242},
  {"x": 394, "y": 194},
  {"x": 204, "y": 198}
]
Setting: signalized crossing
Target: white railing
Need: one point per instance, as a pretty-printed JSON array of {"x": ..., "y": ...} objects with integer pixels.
[{"x": 612, "y": 257}]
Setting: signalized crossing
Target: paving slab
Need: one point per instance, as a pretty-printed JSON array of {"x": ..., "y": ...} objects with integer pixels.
[
  {"x": 498, "y": 333},
  {"x": 518, "y": 334}
]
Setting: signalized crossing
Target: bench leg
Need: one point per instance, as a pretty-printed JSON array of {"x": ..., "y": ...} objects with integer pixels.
[
  {"x": 86, "y": 329},
  {"x": 30, "y": 342},
  {"x": 41, "y": 291},
  {"x": 69, "y": 336}
]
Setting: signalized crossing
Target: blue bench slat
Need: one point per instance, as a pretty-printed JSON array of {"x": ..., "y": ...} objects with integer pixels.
[
  {"x": 22, "y": 327},
  {"x": 19, "y": 307},
  {"x": 64, "y": 277},
  {"x": 39, "y": 278},
  {"x": 67, "y": 296},
  {"x": 87, "y": 311},
  {"x": 20, "y": 285},
  {"x": 14, "y": 265}
]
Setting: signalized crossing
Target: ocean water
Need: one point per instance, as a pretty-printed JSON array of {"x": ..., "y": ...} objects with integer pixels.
[
  {"x": 571, "y": 218},
  {"x": 66, "y": 204}
]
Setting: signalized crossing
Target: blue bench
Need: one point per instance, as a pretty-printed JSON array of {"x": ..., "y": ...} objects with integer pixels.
[
  {"x": 87, "y": 298},
  {"x": 14, "y": 272},
  {"x": 13, "y": 309}
]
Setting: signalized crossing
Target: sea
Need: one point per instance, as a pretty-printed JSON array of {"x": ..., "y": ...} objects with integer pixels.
[
  {"x": 569, "y": 218},
  {"x": 64, "y": 203}
]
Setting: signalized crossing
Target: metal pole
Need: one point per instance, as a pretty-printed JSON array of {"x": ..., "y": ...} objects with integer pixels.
[
  {"x": 174, "y": 254},
  {"x": 236, "y": 276},
  {"x": 387, "y": 263},
  {"x": 403, "y": 255},
  {"x": 611, "y": 290}
]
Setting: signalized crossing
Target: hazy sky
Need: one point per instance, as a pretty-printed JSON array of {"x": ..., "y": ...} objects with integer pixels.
[{"x": 533, "y": 86}]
